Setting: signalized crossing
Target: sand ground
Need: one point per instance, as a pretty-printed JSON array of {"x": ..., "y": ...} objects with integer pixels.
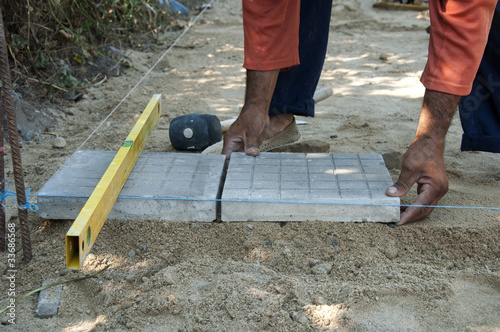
[{"x": 442, "y": 274}]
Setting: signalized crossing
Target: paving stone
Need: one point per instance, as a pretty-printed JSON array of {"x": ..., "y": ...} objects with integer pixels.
[
  {"x": 302, "y": 187},
  {"x": 48, "y": 300},
  {"x": 155, "y": 178}
]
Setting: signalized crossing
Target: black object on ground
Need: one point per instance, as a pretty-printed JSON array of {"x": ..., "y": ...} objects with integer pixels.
[{"x": 195, "y": 131}]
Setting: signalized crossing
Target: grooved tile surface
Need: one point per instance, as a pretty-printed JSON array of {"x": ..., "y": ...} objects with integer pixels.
[
  {"x": 155, "y": 177},
  {"x": 302, "y": 187}
]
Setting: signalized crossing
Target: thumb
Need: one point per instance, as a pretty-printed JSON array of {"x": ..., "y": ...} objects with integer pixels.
[
  {"x": 401, "y": 187},
  {"x": 252, "y": 150},
  {"x": 252, "y": 146}
]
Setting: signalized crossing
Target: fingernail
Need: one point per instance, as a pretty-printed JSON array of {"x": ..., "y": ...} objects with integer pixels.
[
  {"x": 392, "y": 190},
  {"x": 252, "y": 151}
]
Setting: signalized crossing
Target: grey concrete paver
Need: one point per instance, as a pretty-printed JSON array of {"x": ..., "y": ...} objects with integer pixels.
[
  {"x": 156, "y": 178},
  {"x": 302, "y": 187},
  {"x": 48, "y": 300},
  {"x": 270, "y": 187}
]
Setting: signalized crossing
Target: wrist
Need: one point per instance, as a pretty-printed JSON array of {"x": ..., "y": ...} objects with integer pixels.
[{"x": 438, "y": 109}]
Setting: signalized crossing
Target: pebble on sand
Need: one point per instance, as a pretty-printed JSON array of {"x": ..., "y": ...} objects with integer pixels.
[
  {"x": 59, "y": 143},
  {"x": 324, "y": 268}
]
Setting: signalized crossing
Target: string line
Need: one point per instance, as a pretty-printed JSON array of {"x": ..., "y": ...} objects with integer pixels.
[
  {"x": 146, "y": 74},
  {"x": 6, "y": 194},
  {"x": 283, "y": 202}
]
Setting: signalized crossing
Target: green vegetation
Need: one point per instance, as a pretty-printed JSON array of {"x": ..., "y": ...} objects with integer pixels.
[{"x": 47, "y": 39}]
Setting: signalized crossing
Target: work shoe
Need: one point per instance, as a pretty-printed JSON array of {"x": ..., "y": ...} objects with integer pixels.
[{"x": 289, "y": 135}]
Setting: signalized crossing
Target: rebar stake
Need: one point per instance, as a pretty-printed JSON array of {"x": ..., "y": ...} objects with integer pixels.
[{"x": 15, "y": 147}]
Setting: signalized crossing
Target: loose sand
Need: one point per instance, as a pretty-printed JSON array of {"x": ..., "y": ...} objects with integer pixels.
[{"x": 442, "y": 274}]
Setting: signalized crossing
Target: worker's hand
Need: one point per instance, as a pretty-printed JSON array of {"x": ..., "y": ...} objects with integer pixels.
[
  {"x": 246, "y": 133},
  {"x": 423, "y": 164}
]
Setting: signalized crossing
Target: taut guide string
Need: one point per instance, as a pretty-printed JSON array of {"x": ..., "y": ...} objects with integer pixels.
[
  {"x": 233, "y": 200},
  {"x": 33, "y": 207},
  {"x": 286, "y": 202}
]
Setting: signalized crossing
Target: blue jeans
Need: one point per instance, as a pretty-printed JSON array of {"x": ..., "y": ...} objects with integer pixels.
[
  {"x": 295, "y": 87},
  {"x": 480, "y": 110}
]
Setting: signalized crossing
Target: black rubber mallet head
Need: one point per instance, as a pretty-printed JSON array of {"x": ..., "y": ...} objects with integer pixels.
[{"x": 194, "y": 131}]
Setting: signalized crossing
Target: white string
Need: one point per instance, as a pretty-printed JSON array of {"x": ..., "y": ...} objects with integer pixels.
[
  {"x": 225, "y": 200},
  {"x": 147, "y": 73}
]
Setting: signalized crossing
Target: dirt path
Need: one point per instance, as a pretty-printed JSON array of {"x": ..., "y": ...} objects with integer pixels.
[{"x": 442, "y": 274}]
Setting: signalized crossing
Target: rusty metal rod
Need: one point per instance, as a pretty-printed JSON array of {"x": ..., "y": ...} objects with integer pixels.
[
  {"x": 15, "y": 146},
  {"x": 3, "y": 225}
]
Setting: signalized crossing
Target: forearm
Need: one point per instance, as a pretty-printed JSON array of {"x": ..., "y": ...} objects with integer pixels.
[
  {"x": 259, "y": 89},
  {"x": 423, "y": 162},
  {"x": 437, "y": 112}
]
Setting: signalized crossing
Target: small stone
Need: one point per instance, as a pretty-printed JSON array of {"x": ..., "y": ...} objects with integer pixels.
[
  {"x": 63, "y": 272},
  {"x": 195, "y": 225},
  {"x": 250, "y": 226},
  {"x": 108, "y": 300},
  {"x": 4, "y": 278},
  {"x": 144, "y": 248},
  {"x": 131, "y": 253},
  {"x": 314, "y": 262},
  {"x": 391, "y": 251},
  {"x": 382, "y": 57},
  {"x": 117, "y": 277},
  {"x": 303, "y": 320},
  {"x": 131, "y": 278},
  {"x": 324, "y": 268},
  {"x": 48, "y": 300},
  {"x": 335, "y": 241},
  {"x": 59, "y": 143},
  {"x": 269, "y": 243},
  {"x": 273, "y": 263},
  {"x": 320, "y": 301},
  {"x": 127, "y": 304},
  {"x": 392, "y": 275}
]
